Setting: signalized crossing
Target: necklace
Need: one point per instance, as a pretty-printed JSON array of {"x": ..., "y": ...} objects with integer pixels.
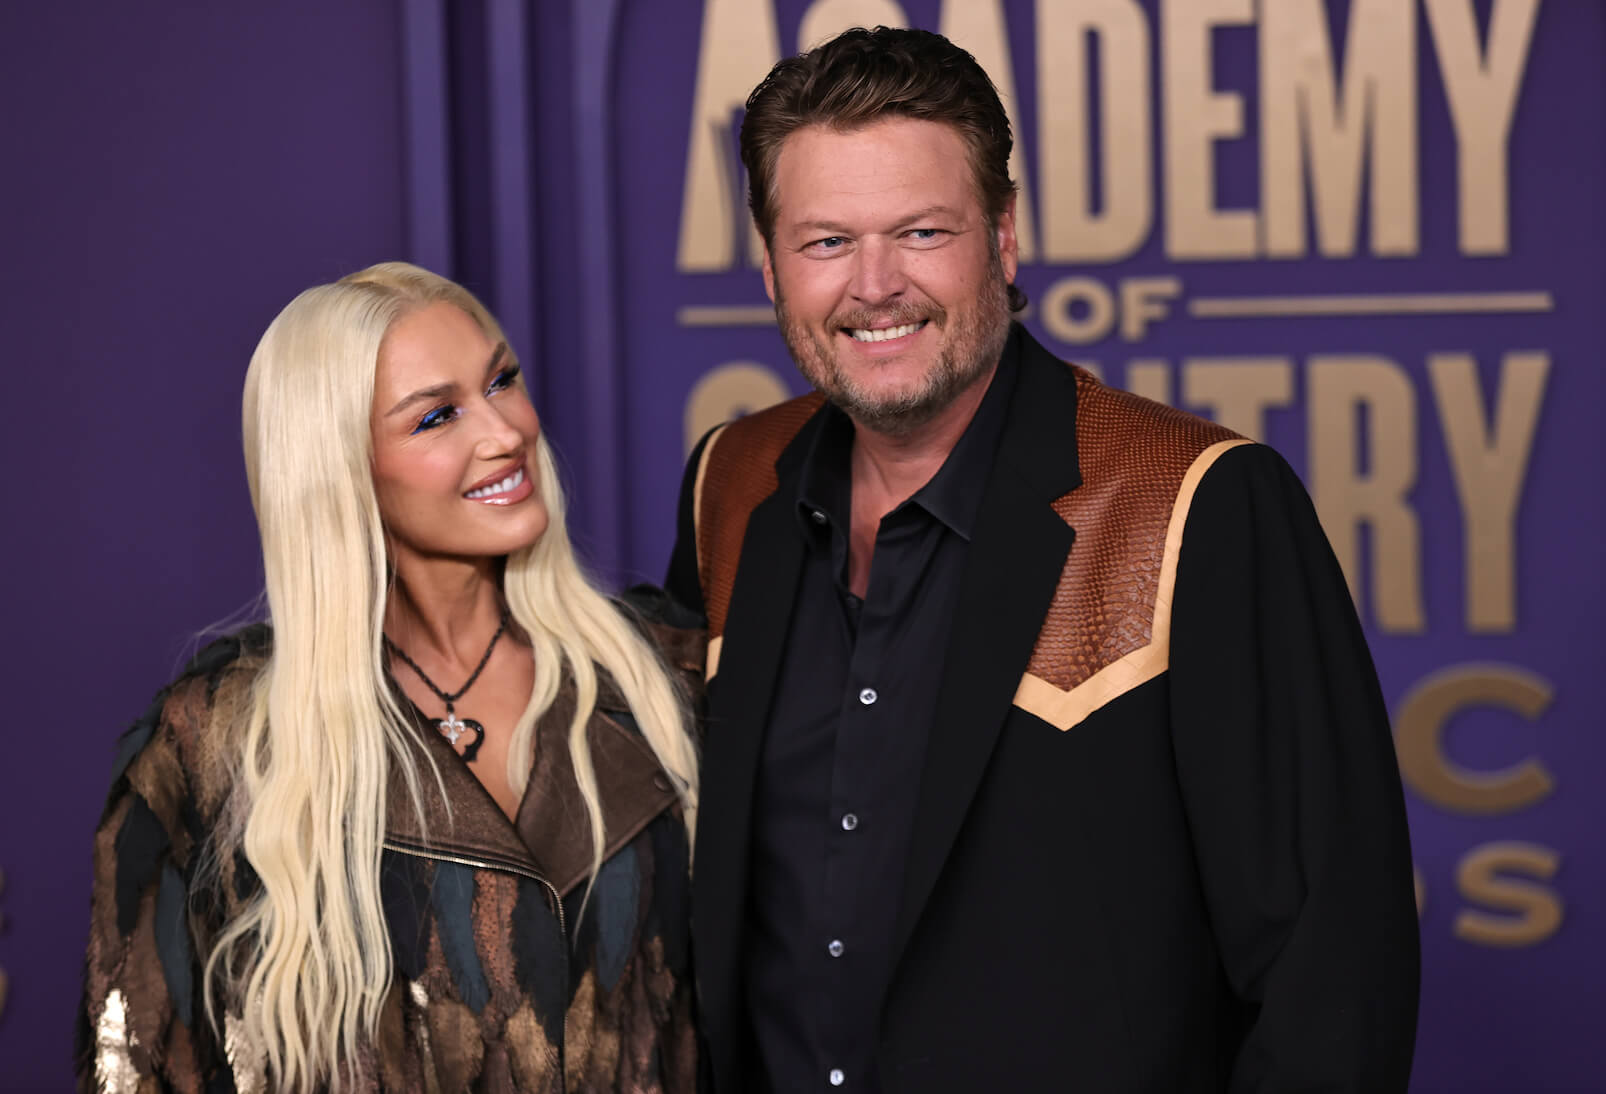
[{"x": 452, "y": 727}]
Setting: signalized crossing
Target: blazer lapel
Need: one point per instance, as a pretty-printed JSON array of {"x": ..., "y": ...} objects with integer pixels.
[
  {"x": 738, "y": 707},
  {"x": 1012, "y": 568}
]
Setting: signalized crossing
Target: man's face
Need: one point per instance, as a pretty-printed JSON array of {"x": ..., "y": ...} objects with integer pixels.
[{"x": 890, "y": 287}]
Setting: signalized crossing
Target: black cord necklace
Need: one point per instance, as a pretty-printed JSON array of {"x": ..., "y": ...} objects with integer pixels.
[{"x": 452, "y": 727}]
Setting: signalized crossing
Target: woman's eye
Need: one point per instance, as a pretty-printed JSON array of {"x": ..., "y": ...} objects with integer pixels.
[
  {"x": 504, "y": 379},
  {"x": 437, "y": 417}
]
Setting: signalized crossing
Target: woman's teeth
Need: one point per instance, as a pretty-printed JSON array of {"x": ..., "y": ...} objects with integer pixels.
[
  {"x": 509, "y": 483},
  {"x": 885, "y": 334}
]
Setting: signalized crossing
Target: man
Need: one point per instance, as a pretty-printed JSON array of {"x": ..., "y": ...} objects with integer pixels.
[{"x": 1044, "y": 748}]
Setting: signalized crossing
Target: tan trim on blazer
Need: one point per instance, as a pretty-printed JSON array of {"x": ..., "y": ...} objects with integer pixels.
[{"x": 1065, "y": 709}]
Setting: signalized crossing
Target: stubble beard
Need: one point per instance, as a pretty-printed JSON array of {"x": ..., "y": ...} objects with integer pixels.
[{"x": 976, "y": 338}]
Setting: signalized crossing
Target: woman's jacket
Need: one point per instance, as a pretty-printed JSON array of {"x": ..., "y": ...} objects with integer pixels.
[{"x": 501, "y": 982}]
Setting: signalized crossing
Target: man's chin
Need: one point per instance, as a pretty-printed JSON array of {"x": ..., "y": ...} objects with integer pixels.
[{"x": 890, "y": 414}]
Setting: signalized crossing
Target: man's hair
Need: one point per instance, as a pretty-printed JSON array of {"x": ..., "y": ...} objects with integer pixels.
[{"x": 863, "y": 76}]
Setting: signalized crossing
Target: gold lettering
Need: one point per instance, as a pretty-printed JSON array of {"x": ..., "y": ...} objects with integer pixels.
[
  {"x": 978, "y": 25},
  {"x": 1065, "y": 294},
  {"x": 1490, "y": 463},
  {"x": 1300, "y": 109},
  {"x": 1482, "y": 86},
  {"x": 1143, "y": 299},
  {"x": 1149, "y": 377},
  {"x": 1196, "y": 116},
  {"x": 1537, "y": 910},
  {"x": 1066, "y": 29},
  {"x": 728, "y": 391},
  {"x": 1237, "y": 391},
  {"x": 1339, "y": 389},
  {"x": 739, "y": 44},
  {"x": 1428, "y": 708}
]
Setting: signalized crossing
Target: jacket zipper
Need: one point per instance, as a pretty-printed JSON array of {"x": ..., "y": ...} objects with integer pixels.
[{"x": 557, "y": 910}]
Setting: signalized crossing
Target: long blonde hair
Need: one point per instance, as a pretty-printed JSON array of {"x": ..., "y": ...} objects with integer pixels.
[{"x": 305, "y": 968}]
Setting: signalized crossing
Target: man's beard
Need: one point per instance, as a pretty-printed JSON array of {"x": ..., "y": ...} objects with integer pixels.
[{"x": 975, "y": 340}]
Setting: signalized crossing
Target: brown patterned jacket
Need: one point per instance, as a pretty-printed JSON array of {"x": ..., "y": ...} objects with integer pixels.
[
  {"x": 1159, "y": 838},
  {"x": 499, "y": 983}
]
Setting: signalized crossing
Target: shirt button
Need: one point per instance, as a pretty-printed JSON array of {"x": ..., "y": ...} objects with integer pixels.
[
  {"x": 850, "y": 821},
  {"x": 817, "y": 515},
  {"x": 868, "y": 696},
  {"x": 835, "y": 948},
  {"x": 836, "y": 1077}
]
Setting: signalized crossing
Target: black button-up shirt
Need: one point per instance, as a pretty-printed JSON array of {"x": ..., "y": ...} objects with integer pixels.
[{"x": 840, "y": 769}]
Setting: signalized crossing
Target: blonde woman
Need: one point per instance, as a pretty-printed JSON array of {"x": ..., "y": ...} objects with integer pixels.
[{"x": 427, "y": 830}]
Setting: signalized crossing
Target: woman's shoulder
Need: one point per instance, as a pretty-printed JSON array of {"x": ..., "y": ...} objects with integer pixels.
[{"x": 174, "y": 752}]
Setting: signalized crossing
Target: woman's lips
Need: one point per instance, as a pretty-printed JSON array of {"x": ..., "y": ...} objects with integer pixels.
[{"x": 512, "y": 487}]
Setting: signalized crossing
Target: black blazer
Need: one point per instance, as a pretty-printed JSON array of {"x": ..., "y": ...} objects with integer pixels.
[{"x": 1178, "y": 859}]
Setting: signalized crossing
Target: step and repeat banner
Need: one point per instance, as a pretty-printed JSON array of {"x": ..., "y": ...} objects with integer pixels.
[{"x": 1369, "y": 234}]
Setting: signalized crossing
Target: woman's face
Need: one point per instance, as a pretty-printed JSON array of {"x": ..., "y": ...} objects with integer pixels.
[{"x": 454, "y": 441}]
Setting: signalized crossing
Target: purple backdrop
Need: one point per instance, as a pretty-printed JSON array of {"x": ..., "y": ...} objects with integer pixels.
[
  {"x": 175, "y": 177},
  {"x": 174, "y": 174}
]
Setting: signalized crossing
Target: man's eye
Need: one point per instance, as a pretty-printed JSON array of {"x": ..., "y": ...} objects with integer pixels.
[
  {"x": 504, "y": 379},
  {"x": 829, "y": 243},
  {"x": 437, "y": 417},
  {"x": 925, "y": 233}
]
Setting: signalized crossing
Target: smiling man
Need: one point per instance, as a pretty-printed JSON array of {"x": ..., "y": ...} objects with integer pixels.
[{"x": 1044, "y": 748}]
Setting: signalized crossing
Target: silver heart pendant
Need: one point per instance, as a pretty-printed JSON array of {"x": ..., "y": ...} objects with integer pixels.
[{"x": 452, "y": 727}]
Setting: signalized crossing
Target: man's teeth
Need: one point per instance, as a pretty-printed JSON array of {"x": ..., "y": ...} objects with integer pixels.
[
  {"x": 513, "y": 480},
  {"x": 885, "y": 333}
]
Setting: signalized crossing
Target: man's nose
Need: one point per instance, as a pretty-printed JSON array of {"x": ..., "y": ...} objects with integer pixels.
[{"x": 878, "y": 274}]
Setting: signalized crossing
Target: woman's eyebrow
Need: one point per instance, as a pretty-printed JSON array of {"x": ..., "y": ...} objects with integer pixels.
[
  {"x": 436, "y": 391},
  {"x": 496, "y": 357}
]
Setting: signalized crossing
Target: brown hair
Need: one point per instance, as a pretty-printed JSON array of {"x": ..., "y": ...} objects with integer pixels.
[{"x": 862, "y": 76}]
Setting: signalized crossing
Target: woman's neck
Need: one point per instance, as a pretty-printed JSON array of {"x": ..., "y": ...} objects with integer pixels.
[{"x": 444, "y": 610}]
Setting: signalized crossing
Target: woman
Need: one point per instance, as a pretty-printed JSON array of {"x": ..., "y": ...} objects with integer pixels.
[{"x": 430, "y": 831}]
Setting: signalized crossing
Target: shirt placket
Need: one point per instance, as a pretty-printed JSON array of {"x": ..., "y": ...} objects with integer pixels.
[{"x": 852, "y": 813}]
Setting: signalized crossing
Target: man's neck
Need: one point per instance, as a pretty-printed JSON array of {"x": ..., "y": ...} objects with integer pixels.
[{"x": 888, "y": 468}]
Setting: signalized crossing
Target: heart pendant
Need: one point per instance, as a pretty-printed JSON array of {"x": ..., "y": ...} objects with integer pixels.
[{"x": 452, "y": 727}]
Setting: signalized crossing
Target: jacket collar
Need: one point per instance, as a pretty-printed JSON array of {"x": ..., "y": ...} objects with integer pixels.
[{"x": 550, "y": 839}]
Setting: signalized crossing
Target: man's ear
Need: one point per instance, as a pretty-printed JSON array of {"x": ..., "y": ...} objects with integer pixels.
[
  {"x": 769, "y": 272},
  {"x": 1008, "y": 245}
]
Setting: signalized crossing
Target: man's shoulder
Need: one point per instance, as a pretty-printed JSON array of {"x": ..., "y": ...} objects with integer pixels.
[
  {"x": 1115, "y": 431},
  {"x": 737, "y": 469},
  {"x": 766, "y": 431},
  {"x": 1119, "y": 434}
]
